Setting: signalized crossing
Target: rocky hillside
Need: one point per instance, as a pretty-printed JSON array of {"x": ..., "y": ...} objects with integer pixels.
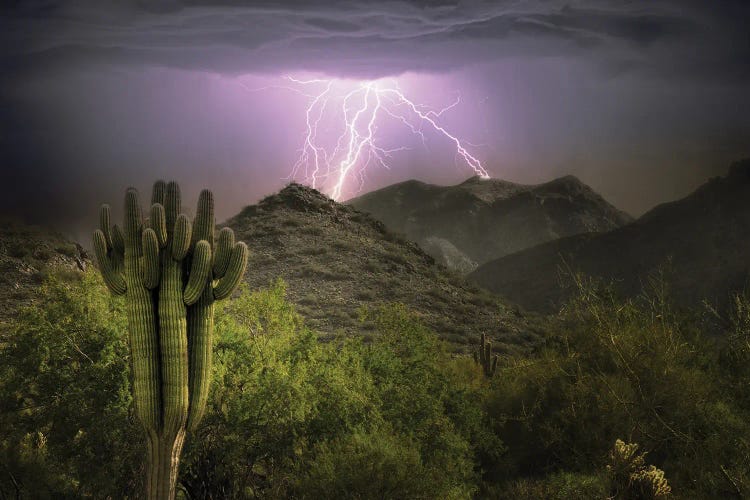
[
  {"x": 27, "y": 254},
  {"x": 702, "y": 242},
  {"x": 336, "y": 259},
  {"x": 480, "y": 220}
]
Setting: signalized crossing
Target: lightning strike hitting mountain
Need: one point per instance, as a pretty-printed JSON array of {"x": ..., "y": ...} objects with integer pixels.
[{"x": 358, "y": 110}]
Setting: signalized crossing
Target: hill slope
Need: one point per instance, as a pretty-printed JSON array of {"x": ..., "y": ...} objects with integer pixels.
[
  {"x": 706, "y": 236},
  {"x": 27, "y": 253},
  {"x": 336, "y": 259},
  {"x": 479, "y": 220}
]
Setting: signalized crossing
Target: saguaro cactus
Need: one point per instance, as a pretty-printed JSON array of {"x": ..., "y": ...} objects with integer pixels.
[
  {"x": 170, "y": 274},
  {"x": 483, "y": 356}
]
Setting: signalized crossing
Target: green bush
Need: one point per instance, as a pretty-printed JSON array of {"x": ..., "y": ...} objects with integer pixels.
[
  {"x": 373, "y": 465},
  {"x": 637, "y": 369},
  {"x": 66, "y": 426},
  {"x": 285, "y": 407},
  {"x": 398, "y": 416}
]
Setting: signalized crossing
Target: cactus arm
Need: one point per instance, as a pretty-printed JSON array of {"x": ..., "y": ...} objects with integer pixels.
[
  {"x": 199, "y": 272},
  {"x": 203, "y": 225},
  {"x": 200, "y": 331},
  {"x": 235, "y": 271},
  {"x": 173, "y": 319},
  {"x": 104, "y": 224},
  {"x": 181, "y": 237},
  {"x": 158, "y": 192},
  {"x": 142, "y": 323},
  {"x": 200, "y": 312},
  {"x": 158, "y": 223},
  {"x": 223, "y": 252},
  {"x": 150, "y": 260},
  {"x": 171, "y": 205},
  {"x": 113, "y": 279},
  {"x": 118, "y": 240}
]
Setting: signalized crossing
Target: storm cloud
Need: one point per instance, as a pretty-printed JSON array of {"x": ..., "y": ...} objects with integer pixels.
[
  {"x": 642, "y": 100},
  {"x": 375, "y": 39}
]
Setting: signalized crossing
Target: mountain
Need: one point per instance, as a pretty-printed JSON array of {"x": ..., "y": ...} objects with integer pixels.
[
  {"x": 27, "y": 254},
  {"x": 336, "y": 260},
  {"x": 480, "y": 220},
  {"x": 702, "y": 241}
]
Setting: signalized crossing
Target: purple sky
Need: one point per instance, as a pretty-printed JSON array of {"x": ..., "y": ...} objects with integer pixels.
[{"x": 642, "y": 100}]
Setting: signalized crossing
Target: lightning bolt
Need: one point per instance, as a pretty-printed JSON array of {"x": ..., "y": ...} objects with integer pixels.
[{"x": 356, "y": 148}]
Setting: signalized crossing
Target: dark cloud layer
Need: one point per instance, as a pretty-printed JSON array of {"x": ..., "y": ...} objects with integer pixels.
[
  {"x": 669, "y": 38},
  {"x": 643, "y": 100}
]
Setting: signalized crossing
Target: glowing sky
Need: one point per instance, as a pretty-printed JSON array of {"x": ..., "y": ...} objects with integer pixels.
[{"x": 641, "y": 100}]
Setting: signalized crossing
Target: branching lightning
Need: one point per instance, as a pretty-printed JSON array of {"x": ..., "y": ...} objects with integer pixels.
[{"x": 356, "y": 148}]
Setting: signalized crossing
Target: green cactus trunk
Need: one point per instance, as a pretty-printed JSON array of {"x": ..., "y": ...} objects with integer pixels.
[
  {"x": 170, "y": 277},
  {"x": 163, "y": 465},
  {"x": 483, "y": 356}
]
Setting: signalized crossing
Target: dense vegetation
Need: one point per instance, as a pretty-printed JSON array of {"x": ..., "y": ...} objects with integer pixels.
[{"x": 397, "y": 417}]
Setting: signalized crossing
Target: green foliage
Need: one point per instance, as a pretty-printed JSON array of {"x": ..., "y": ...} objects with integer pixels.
[
  {"x": 637, "y": 369},
  {"x": 276, "y": 389},
  {"x": 554, "y": 486},
  {"x": 65, "y": 426},
  {"x": 629, "y": 477},
  {"x": 285, "y": 408},
  {"x": 399, "y": 416},
  {"x": 368, "y": 466}
]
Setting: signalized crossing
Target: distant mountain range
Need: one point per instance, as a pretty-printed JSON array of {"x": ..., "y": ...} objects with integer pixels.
[
  {"x": 479, "y": 220},
  {"x": 702, "y": 242},
  {"x": 337, "y": 259}
]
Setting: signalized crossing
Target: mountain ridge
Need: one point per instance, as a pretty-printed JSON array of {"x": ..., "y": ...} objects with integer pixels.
[
  {"x": 700, "y": 241},
  {"x": 477, "y": 220},
  {"x": 336, "y": 260}
]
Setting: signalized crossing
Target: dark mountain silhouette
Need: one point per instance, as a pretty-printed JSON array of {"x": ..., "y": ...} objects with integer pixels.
[
  {"x": 702, "y": 242},
  {"x": 479, "y": 220},
  {"x": 336, "y": 260}
]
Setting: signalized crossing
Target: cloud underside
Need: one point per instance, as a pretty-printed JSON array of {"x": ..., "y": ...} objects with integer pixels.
[{"x": 374, "y": 39}]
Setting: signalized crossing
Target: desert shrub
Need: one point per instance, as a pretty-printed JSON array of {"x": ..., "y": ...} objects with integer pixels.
[
  {"x": 17, "y": 249},
  {"x": 367, "y": 466},
  {"x": 554, "y": 486},
  {"x": 630, "y": 477},
  {"x": 313, "y": 250},
  {"x": 635, "y": 368},
  {"x": 364, "y": 294},
  {"x": 292, "y": 416},
  {"x": 341, "y": 244},
  {"x": 65, "y": 421},
  {"x": 311, "y": 230},
  {"x": 315, "y": 270},
  {"x": 276, "y": 391},
  {"x": 372, "y": 266},
  {"x": 67, "y": 249},
  {"x": 286, "y": 408},
  {"x": 425, "y": 395}
]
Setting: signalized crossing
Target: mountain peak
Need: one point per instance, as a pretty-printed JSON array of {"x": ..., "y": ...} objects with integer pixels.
[
  {"x": 336, "y": 259},
  {"x": 476, "y": 179},
  {"x": 296, "y": 197}
]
